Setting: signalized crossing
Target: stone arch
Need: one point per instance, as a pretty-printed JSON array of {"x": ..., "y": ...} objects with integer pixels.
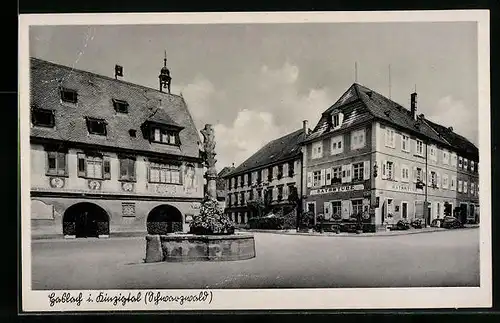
[
  {"x": 85, "y": 220},
  {"x": 164, "y": 219}
]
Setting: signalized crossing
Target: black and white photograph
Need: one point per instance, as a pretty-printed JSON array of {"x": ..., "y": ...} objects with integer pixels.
[{"x": 255, "y": 161}]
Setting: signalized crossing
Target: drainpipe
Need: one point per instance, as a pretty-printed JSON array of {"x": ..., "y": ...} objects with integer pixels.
[
  {"x": 301, "y": 199},
  {"x": 426, "y": 207}
]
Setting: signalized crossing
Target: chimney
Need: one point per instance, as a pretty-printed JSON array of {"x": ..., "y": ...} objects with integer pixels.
[
  {"x": 305, "y": 127},
  {"x": 413, "y": 108}
]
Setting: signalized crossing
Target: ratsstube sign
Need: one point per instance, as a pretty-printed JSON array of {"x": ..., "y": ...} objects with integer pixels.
[{"x": 336, "y": 189}]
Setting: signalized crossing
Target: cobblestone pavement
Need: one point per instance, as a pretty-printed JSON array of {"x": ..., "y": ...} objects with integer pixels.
[{"x": 442, "y": 258}]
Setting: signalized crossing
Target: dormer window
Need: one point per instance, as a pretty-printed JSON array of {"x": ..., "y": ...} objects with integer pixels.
[
  {"x": 120, "y": 106},
  {"x": 165, "y": 136},
  {"x": 96, "y": 126},
  {"x": 68, "y": 95},
  {"x": 42, "y": 118},
  {"x": 337, "y": 119}
]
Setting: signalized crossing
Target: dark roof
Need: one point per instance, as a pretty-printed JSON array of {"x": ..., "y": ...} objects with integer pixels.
[
  {"x": 284, "y": 148},
  {"x": 95, "y": 99},
  {"x": 460, "y": 143},
  {"x": 360, "y": 104},
  {"x": 220, "y": 183}
]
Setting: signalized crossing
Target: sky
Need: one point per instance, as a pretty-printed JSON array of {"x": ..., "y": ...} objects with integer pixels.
[{"x": 257, "y": 82}]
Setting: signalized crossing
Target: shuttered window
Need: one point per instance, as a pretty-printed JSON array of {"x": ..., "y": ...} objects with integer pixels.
[{"x": 56, "y": 163}]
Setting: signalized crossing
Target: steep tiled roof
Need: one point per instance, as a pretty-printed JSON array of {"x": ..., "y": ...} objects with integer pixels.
[
  {"x": 462, "y": 144},
  {"x": 359, "y": 104},
  {"x": 284, "y": 148},
  {"x": 220, "y": 183},
  {"x": 95, "y": 95}
]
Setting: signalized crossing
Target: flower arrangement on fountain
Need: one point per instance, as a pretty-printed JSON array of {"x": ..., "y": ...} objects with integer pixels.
[{"x": 211, "y": 220}]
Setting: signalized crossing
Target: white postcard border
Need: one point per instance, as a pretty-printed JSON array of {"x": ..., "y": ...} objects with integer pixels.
[{"x": 292, "y": 299}]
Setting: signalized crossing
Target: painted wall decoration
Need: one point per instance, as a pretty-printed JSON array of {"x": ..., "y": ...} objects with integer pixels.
[
  {"x": 190, "y": 178},
  {"x": 56, "y": 182},
  {"x": 127, "y": 187},
  {"x": 94, "y": 185},
  {"x": 128, "y": 209}
]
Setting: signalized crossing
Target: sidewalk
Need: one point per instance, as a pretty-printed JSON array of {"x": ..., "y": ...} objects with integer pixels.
[{"x": 379, "y": 233}]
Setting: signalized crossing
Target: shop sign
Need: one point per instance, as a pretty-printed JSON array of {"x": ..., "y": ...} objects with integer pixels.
[
  {"x": 404, "y": 188},
  {"x": 337, "y": 189}
]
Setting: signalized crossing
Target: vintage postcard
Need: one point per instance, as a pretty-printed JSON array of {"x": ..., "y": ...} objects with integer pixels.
[{"x": 236, "y": 161}]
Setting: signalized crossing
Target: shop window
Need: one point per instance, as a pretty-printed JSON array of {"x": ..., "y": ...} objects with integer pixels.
[
  {"x": 336, "y": 208},
  {"x": 357, "y": 206}
]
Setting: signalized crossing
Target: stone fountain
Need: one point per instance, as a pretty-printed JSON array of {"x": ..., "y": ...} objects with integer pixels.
[{"x": 212, "y": 236}]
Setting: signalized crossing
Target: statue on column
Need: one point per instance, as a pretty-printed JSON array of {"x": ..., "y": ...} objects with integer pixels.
[{"x": 209, "y": 158}]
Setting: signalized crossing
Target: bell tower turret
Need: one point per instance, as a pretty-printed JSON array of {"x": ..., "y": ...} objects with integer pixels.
[{"x": 164, "y": 77}]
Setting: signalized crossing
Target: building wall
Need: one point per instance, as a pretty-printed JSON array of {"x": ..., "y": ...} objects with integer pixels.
[
  {"x": 49, "y": 202},
  {"x": 469, "y": 198},
  {"x": 72, "y": 183},
  {"x": 400, "y": 189},
  {"x": 325, "y": 192},
  {"x": 50, "y": 212},
  {"x": 239, "y": 212}
]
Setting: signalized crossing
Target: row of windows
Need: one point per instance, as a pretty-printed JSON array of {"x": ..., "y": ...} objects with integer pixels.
[
  {"x": 278, "y": 193},
  {"x": 98, "y": 166},
  {"x": 257, "y": 177},
  {"x": 359, "y": 171},
  {"x": 358, "y": 141},
  {"x": 439, "y": 156},
  {"x": 463, "y": 187},
  {"x": 71, "y": 96},
  {"x": 345, "y": 208},
  {"x": 95, "y": 126},
  {"x": 394, "y": 171}
]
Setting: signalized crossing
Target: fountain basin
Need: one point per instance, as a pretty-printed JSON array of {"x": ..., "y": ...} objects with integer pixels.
[{"x": 180, "y": 247}]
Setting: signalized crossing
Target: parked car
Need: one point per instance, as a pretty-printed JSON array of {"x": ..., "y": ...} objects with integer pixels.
[{"x": 450, "y": 222}]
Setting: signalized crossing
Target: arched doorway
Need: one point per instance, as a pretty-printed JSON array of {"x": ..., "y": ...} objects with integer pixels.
[
  {"x": 164, "y": 219},
  {"x": 85, "y": 220}
]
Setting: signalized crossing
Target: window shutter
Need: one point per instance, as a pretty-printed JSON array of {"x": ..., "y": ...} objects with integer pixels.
[
  {"x": 275, "y": 172},
  {"x": 350, "y": 171},
  {"x": 349, "y": 204},
  {"x": 454, "y": 180},
  {"x": 414, "y": 174},
  {"x": 438, "y": 180},
  {"x": 396, "y": 171},
  {"x": 366, "y": 169},
  {"x": 61, "y": 163},
  {"x": 124, "y": 167},
  {"x": 131, "y": 169},
  {"x": 285, "y": 170},
  {"x": 341, "y": 118},
  {"x": 328, "y": 176},
  {"x": 327, "y": 210},
  {"x": 309, "y": 179},
  {"x": 343, "y": 174},
  {"x": 345, "y": 209},
  {"x": 384, "y": 169},
  {"x": 264, "y": 175},
  {"x": 323, "y": 178},
  {"x": 429, "y": 178},
  {"x": 82, "y": 166},
  {"x": 106, "y": 167}
]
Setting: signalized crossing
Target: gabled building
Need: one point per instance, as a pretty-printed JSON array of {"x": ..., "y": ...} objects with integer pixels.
[
  {"x": 222, "y": 186},
  {"x": 108, "y": 156},
  {"x": 272, "y": 175},
  {"x": 467, "y": 172},
  {"x": 370, "y": 155}
]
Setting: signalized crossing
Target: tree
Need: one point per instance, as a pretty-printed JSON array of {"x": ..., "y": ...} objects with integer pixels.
[{"x": 258, "y": 206}]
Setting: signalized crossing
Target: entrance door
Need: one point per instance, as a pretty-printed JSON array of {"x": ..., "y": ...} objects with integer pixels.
[
  {"x": 85, "y": 220},
  {"x": 463, "y": 212},
  {"x": 404, "y": 210}
]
